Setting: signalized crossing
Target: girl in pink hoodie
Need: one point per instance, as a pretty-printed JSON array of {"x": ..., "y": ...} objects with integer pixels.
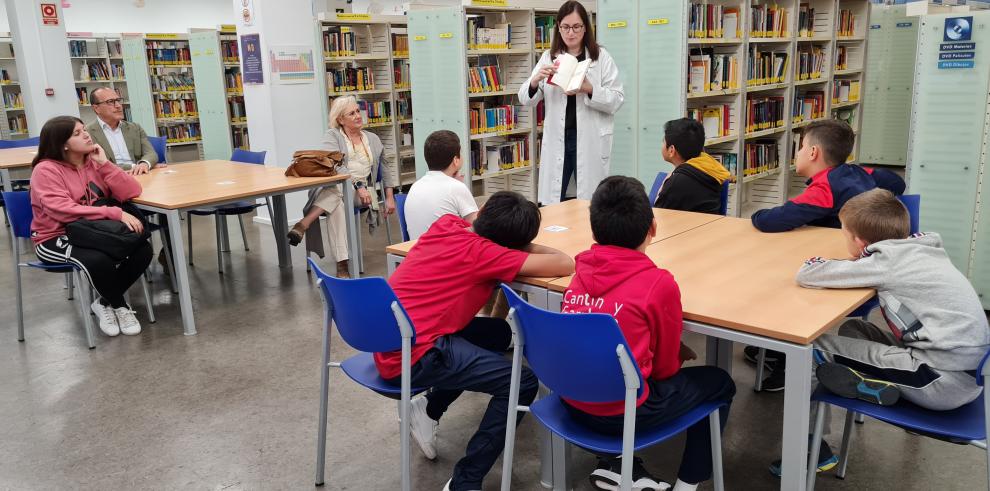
[{"x": 65, "y": 172}]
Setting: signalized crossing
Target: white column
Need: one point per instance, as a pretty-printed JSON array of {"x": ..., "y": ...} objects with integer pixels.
[
  {"x": 42, "y": 53},
  {"x": 284, "y": 118}
]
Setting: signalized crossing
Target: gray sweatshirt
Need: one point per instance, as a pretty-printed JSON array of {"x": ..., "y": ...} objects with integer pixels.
[{"x": 928, "y": 304}]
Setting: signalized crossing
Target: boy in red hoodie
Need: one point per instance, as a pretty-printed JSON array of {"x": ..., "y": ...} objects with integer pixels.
[{"x": 616, "y": 277}]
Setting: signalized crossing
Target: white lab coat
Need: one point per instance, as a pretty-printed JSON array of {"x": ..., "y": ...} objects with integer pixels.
[{"x": 594, "y": 127}]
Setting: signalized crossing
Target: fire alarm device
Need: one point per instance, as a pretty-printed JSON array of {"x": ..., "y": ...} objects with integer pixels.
[{"x": 49, "y": 92}]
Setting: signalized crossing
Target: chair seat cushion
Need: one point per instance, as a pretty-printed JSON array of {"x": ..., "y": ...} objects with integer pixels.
[
  {"x": 361, "y": 369},
  {"x": 52, "y": 268},
  {"x": 550, "y": 411},
  {"x": 964, "y": 423}
]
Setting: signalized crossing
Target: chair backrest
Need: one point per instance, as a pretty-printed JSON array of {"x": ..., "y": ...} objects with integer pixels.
[
  {"x": 19, "y": 212},
  {"x": 913, "y": 204},
  {"x": 400, "y": 209},
  {"x": 723, "y": 199},
  {"x": 979, "y": 369},
  {"x": 362, "y": 310},
  {"x": 574, "y": 355},
  {"x": 656, "y": 186},
  {"x": 158, "y": 143},
  {"x": 248, "y": 157}
]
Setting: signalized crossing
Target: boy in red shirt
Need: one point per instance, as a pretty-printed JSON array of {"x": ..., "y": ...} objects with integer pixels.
[
  {"x": 444, "y": 280},
  {"x": 616, "y": 277}
]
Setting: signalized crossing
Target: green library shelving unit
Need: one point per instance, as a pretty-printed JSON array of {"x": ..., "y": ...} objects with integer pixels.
[
  {"x": 13, "y": 124},
  {"x": 219, "y": 91}
]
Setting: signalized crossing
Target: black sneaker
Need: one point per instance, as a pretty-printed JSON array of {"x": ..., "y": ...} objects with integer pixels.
[
  {"x": 751, "y": 354},
  {"x": 826, "y": 460},
  {"x": 609, "y": 473},
  {"x": 846, "y": 382},
  {"x": 775, "y": 382}
]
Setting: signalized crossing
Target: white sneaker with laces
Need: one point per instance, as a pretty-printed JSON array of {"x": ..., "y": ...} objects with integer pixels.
[
  {"x": 423, "y": 427},
  {"x": 129, "y": 324},
  {"x": 108, "y": 321},
  {"x": 446, "y": 487}
]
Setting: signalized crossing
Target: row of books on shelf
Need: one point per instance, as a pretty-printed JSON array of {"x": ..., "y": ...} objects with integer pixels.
[
  {"x": 180, "y": 133},
  {"x": 764, "y": 113},
  {"x": 711, "y": 71},
  {"x": 167, "y": 53},
  {"x": 400, "y": 44},
  {"x": 847, "y": 23},
  {"x": 232, "y": 80},
  {"x": 761, "y": 156},
  {"x": 100, "y": 71},
  {"x": 350, "y": 78},
  {"x": 339, "y": 41},
  {"x": 766, "y": 67},
  {"x": 713, "y": 21},
  {"x": 172, "y": 82},
  {"x": 806, "y": 21},
  {"x": 498, "y": 36},
  {"x": 768, "y": 21},
  {"x": 486, "y": 118},
  {"x": 841, "y": 58},
  {"x": 376, "y": 112},
  {"x": 484, "y": 79},
  {"x": 82, "y": 93},
  {"x": 718, "y": 120},
  {"x": 13, "y": 100},
  {"x": 545, "y": 27},
  {"x": 728, "y": 160},
  {"x": 401, "y": 74},
  {"x": 495, "y": 157},
  {"x": 183, "y": 108},
  {"x": 239, "y": 138},
  {"x": 235, "y": 107},
  {"x": 82, "y": 48},
  {"x": 845, "y": 91},
  {"x": 403, "y": 106},
  {"x": 229, "y": 52},
  {"x": 808, "y": 105},
  {"x": 810, "y": 63},
  {"x": 17, "y": 123},
  {"x": 5, "y": 76}
]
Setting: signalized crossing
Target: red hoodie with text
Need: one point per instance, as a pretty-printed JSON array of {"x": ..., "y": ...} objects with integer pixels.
[{"x": 644, "y": 300}]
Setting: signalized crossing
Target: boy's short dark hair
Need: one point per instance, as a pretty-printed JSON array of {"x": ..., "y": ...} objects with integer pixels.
[
  {"x": 876, "y": 215},
  {"x": 834, "y": 137},
  {"x": 686, "y": 135},
  {"x": 440, "y": 149},
  {"x": 509, "y": 220},
  {"x": 621, "y": 214}
]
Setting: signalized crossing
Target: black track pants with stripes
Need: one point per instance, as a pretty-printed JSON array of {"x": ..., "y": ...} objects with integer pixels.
[{"x": 109, "y": 277}]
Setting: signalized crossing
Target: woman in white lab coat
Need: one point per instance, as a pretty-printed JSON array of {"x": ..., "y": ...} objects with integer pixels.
[{"x": 578, "y": 125}]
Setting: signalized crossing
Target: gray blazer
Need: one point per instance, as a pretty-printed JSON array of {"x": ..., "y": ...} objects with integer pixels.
[{"x": 134, "y": 137}]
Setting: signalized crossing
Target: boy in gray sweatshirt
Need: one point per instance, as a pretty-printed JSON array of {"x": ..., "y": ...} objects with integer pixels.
[{"x": 936, "y": 331}]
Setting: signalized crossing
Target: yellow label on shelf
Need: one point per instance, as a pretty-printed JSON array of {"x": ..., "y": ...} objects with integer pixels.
[
  {"x": 161, "y": 36},
  {"x": 613, "y": 25},
  {"x": 345, "y": 29},
  {"x": 657, "y": 22},
  {"x": 419, "y": 38},
  {"x": 354, "y": 16},
  {"x": 490, "y": 3},
  {"x": 228, "y": 28},
  {"x": 446, "y": 35}
]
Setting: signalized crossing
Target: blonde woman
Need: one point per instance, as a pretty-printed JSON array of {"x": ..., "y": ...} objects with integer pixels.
[{"x": 363, "y": 156}]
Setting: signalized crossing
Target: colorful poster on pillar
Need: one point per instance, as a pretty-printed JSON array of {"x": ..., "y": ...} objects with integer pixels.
[
  {"x": 292, "y": 64},
  {"x": 251, "y": 67}
]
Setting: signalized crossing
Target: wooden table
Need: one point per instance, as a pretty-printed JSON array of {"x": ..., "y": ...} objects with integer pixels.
[
  {"x": 14, "y": 158},
  {"x": 208, "y": 183},
  {"x": 737, "y": 285}
]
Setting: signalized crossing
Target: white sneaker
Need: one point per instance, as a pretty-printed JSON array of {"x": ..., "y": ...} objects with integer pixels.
[
  {"x": 108, "y": 321},
  {"x": 446, "y": 487},
  {"x": 423, "y": 427},
  {"x": 128, "y": 323}
]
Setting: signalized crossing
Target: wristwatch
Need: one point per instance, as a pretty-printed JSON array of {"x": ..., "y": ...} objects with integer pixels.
[{"x": 359, "y": 185}]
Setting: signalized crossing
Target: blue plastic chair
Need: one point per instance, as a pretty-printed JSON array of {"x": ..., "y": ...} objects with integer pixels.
[
  {"x": 158, "y": 143},
  {"x": 585, "y": 357},
  {"x": 967, "y": 424},
  {"x": 655, "y": 190},
  {"x": 239, "y": 209},
  {"x": 400, "y": 209},
  {"x": 370, "y": 319},
  {"x": 913, "y": 204},
  {"x": 723, "y": 199}
]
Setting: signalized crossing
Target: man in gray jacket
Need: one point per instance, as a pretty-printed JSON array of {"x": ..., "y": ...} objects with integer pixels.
[{"x": 125, "y": 143}]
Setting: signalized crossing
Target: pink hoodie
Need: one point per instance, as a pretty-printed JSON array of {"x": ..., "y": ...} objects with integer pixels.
[{"x": 60, "y": 195}]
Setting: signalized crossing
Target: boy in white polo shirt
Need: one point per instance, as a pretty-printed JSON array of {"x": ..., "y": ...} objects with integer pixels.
[{"x": 441, "y": 191}]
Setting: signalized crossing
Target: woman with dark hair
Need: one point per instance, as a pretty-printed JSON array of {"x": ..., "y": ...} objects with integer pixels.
[
  {"x": 70, "y": 174},
  {"x": 577, "y": 129}
]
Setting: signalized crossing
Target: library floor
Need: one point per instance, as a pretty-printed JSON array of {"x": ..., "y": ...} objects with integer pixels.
[{"x": 235, "y": 407}]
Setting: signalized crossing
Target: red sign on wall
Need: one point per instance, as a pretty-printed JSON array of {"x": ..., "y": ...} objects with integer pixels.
[{"x": 49, "y": 14}]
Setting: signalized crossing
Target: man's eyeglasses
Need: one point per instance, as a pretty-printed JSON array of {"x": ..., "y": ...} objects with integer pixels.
[
  {"x": 110, "y": 102},
  {"x": 575, "y": 28}
]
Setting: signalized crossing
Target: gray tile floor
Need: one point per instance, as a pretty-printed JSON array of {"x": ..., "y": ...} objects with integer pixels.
[{"x": 235, "y": 407}]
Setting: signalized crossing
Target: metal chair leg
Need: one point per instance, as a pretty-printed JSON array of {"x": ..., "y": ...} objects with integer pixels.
[
  {"x": 760, "y": 362},
  {"x": 321, "y": 432},
  {"x": 69, "y": 286},
  {"x": 20, "y": 302},
  {"x": 844, "y": 451},
  {"x": 715, "y": 431},
  {"x": 85, "y": 292},
  {"x": 815, "y": 446},
  {"x": 240, "y": 221},
  {"x": 219, "y": 226},
  {"x": 147, "y": 301},
  {"x": 189, "y": 237}
]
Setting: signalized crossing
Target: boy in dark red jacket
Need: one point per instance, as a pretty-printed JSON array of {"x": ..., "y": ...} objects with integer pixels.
[{"x": 616, "y": 277}]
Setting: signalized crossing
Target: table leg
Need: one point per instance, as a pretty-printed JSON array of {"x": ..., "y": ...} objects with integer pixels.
[
  {"x": 279, "y": 225},
  {"x": 392, "y": 262},
  {"x": 797, "y": 406},
  {"x": 554, "y": 300},
  {"x": 352, "y": 229},
  {"x": 181, "y": 272}
]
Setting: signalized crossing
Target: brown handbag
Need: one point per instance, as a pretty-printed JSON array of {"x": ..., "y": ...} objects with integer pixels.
[{"x": 314, "y": 163}]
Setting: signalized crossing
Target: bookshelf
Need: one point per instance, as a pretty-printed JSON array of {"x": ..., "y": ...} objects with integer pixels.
[
  {"x": 219, "y": 91},
  {"x": 367, "y": 56},
  {"x": 97, "y": 61},
  {"x": 487, "y": 62},
  {"x": 13, "y": 124}
]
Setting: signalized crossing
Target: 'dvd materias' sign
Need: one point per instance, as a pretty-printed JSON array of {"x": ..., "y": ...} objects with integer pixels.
[{"x": 251, "y": 68}]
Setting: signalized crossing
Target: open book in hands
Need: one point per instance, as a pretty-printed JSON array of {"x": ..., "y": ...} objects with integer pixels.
[{"x": 569, "y": 72}]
